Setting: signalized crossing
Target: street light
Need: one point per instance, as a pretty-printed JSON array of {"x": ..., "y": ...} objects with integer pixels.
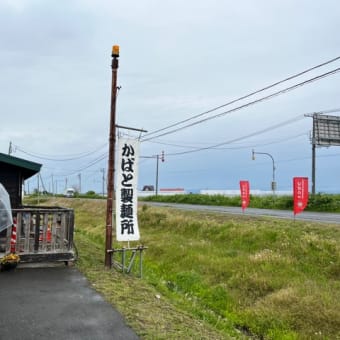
[{"x": 273, "y": 185}]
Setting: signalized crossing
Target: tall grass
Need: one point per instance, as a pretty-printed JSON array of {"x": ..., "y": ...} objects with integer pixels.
[
  {"x": 236, "y": 276},
  {"x": 270, "y": 278}
]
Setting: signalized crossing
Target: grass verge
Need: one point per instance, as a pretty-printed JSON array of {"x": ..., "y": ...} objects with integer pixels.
[{"x": 209, "y": 276}]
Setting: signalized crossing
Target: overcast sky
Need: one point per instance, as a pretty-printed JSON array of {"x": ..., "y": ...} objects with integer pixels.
[{"x": 178, "y": 59}]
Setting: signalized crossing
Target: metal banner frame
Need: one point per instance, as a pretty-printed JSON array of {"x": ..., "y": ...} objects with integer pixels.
[
  {"x": 326, "y": 130},
  {"x": 326, "y": 133}
]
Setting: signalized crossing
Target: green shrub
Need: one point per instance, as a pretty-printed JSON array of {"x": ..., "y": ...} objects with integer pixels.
[{"x": 318, "y": 202}]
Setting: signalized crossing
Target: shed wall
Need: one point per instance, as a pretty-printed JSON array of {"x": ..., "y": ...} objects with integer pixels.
[{"x": 11, "y": 179}]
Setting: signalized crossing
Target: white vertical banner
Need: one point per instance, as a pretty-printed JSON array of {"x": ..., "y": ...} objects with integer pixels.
[{"x": 126, "y": 190}]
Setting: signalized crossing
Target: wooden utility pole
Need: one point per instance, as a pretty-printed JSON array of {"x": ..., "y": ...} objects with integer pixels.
[
  {"x": 111, "y": 166},
  {"x": 103, "y": 180}
]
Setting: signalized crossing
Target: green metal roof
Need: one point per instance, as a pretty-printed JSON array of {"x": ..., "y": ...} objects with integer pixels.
[{"x": 28, "y": 168}]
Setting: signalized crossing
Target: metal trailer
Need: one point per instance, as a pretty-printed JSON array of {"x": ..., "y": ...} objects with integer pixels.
[{"x": 43, "y": 234}]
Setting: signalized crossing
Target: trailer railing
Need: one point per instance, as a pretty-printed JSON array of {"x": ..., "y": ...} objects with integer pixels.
[{"x": 42, "y": 234}]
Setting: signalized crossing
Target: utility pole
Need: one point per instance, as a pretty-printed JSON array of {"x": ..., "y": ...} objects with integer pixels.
[
  {"x": 111, "y": 168},
  {"x": 103, "y": 180},
  {"x": 79, "y": 176},
  {"x": 10, "y": 149},
  {"x": 38, "y": 188},
  {"x": 157, "y": 157},
  {"x": 162, "y": 158}
]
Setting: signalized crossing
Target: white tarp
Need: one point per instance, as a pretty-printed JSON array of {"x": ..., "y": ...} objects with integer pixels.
[
  {"x": 5, "y": 209},
  {"x": 126, "y": 193}
]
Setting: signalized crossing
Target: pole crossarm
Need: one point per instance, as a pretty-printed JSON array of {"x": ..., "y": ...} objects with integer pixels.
[{"x": 130, "y": 128}]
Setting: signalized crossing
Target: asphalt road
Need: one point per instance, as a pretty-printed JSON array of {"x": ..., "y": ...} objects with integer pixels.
[
  {"x": 304, "y": 216},
  {"x": 56, "y": 303}
]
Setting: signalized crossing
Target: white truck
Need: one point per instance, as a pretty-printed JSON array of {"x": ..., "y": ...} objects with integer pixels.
[{"x": 70, "y": 192}]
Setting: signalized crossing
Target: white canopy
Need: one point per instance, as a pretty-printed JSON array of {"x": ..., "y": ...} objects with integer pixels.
[{"x": 6, "y": 219}]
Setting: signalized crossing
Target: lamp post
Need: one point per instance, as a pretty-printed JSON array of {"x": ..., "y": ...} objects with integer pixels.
[{"x": 273, "y": 185}]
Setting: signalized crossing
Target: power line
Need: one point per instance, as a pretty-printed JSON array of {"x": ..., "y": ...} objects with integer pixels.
[
  {"x": 102, "y": 157},
  {"x": 270, "y": 128},
  {"x": 259, "y": 143},
  {"x": 273, "y": 127},
  {"x": 245, "y": 96},
  {"x": 79, "y": 156},
  {"x": 169, "y": 172},
  {"x": 88, "y": 165},
  {"x": 285, "y": 90},
  {"x": 307, "y": 157}
]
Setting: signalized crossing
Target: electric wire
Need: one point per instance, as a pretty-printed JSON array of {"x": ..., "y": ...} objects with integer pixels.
[
  {"x": 98, "y": 159},
  {"x": 79, "y": 156},
  {"x": 256, "y": 133},
  {"x": 272, "y": 95},
  {"x": 88, "y": 165},
  {"x": 308, "y": 158},
  {"x": 245, "y": 96},
  {"x": 215, "y": 146},
  {"x": 236, "y": 147},
  {"x": 257, "y": 163}
]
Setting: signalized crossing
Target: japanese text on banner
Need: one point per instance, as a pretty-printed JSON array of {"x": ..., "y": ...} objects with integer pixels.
[
  {"x": 126, "y": 194},
  {"x": 245, "y": 194},
  {"x": 300, "y": 193}
]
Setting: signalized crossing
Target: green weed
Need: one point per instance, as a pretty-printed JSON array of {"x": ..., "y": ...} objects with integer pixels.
[{"x": 218, "y": 276}]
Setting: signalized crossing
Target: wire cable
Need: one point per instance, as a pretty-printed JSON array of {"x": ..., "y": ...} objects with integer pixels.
[
  {"x": 259, "y": 143},
  {"x": 93, "y": 162},
  {"x": 48, "y": 158},
  {"x": 256, "y": 133},
  {"x": 270, "y": 128},
  {"x": 285, "y": 90},
  {"x": 245, "y": 96},
  {"x": 73, "y": 172}
]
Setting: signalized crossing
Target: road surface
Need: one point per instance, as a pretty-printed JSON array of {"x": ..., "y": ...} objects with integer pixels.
[
  {"x": 286, "y": 214},
  {"x": 55, "y": 303}
]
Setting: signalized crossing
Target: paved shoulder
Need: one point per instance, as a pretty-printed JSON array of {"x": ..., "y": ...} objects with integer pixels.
[{"x": 56, "y": 303}]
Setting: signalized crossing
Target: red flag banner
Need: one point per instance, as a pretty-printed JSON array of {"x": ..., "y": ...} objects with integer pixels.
[
  {"x": 300, "y": 193},
  {"x": 245, "y": 196}
]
